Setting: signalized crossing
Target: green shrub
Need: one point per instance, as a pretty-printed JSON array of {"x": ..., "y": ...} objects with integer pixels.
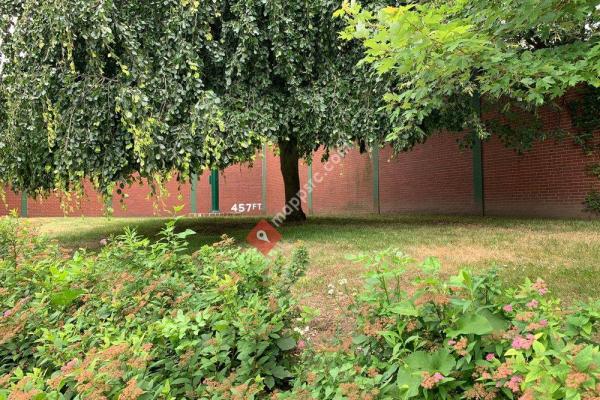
[
  {"x": 592, "y": 202},
  {"x": 144, "y": 319},
  {"x": 459, "y": 338},
  {"x": 20, "y": 243},
  {"x": 147, "y": 320}
]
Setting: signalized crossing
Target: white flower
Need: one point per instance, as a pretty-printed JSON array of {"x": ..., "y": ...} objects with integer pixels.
[
  {"x": 343, "y": 282},
  {"x": 302, "y": 331}
]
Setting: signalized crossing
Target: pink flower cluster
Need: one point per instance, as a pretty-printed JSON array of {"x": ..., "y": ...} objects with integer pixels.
[
  {"x": 540, "y": 286},
  {"x": 534, "y": 326},
  {"x": 490, "y": 357},
  {"x": 508, "y": 308},
  {"x": 16, "y": 308},
  {"x": 514, "y": 383},
  {"x": 533, "y": 304},
  {"x": 430, "y": 381},
  {"x": 524, "y": 343}
]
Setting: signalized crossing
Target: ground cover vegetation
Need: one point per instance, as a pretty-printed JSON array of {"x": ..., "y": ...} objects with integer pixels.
[{"x": 145, "y": 319}]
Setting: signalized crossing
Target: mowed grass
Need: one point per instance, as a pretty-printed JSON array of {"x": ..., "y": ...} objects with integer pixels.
[{"x": 566, "y": 253}]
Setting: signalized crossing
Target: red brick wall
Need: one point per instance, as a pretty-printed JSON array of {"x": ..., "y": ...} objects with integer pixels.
[
  {"x": 435, "y": 177},
  {"x": 12, "y": 201},
  {"x": 240, "y": 185},
  {"x": 90, "y": 204},
  {"x": 548, "y": 180},
  {"x": 203, "y": 190},
  {"x": 343, "y": 184},
  {"x": 139, "y": 202}
]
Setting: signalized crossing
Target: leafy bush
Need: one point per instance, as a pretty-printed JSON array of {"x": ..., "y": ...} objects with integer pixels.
[
  {"x": 143, "y": 319},
  {"x": 147, "y": 320},
  {"x": 460, "y": 338},
  {"x": 592, "y": 201}
]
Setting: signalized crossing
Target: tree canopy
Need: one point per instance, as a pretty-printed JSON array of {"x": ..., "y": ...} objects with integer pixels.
[
  {"x": 440, "y": 55},
  {"x": 106, "y": 89}
]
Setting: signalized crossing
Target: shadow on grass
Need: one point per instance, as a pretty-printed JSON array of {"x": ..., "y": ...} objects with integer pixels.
[
  {"x": 565, "y": 252},
  {"x": 86, "y": 232}
]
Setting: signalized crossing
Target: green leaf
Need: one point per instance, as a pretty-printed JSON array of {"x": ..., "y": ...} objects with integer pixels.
[
  {"x": 471, "y": 324},
  {"x": 280, "y": 372},
  {"x": 584, "y": 358},
  {"x": 65, "y": 297},
  {"x": 287, "y": 343},
  {"x": 431, "y": 265},
  {"x": 409, "y": 382},
  {"x": 405, "y": 308},
  {"x": 440, "y": 361},
  {"x": 269, "y": 381},
  {"x": 221, "y": 325}
]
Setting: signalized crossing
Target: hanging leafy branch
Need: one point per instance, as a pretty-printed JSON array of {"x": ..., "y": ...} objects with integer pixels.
[
  {"x": 101, "y": 90},
  {"x": 439, "y": 54},
  {"x": 113, "y": 89}
]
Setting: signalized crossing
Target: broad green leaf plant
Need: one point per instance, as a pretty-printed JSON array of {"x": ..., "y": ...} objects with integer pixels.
[
  {"x": 421, "y": 335},
  {"x": 144, "y": 319}
]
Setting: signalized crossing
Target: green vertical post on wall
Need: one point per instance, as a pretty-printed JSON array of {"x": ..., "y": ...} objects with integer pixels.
[
  {"x": 263, "y": 195},
  {"x": 194, "y": 194},
  {"x": 24, "y": 210},
  {"x": 478, "y": 177},
  {"x": 214, "y": 182},
  {"x": 375, "y": 155},
  {"x": 310, "y": 188}
]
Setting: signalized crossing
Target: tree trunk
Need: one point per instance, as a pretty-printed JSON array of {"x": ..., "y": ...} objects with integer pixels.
[{"x": 291, "y": 180}]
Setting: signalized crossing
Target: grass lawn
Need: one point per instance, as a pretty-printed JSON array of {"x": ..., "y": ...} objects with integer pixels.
[{"x": 565, "y": 253}]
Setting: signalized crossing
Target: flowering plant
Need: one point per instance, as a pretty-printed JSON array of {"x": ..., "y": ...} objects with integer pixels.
[
  {"x": 143, "y": 319},
  {"x": 419, "y": 335}
]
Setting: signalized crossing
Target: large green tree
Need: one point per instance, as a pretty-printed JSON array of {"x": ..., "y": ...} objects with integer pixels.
[
  {"x": 107, "y": 90},
  {"x": 442, "y": 55}
]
